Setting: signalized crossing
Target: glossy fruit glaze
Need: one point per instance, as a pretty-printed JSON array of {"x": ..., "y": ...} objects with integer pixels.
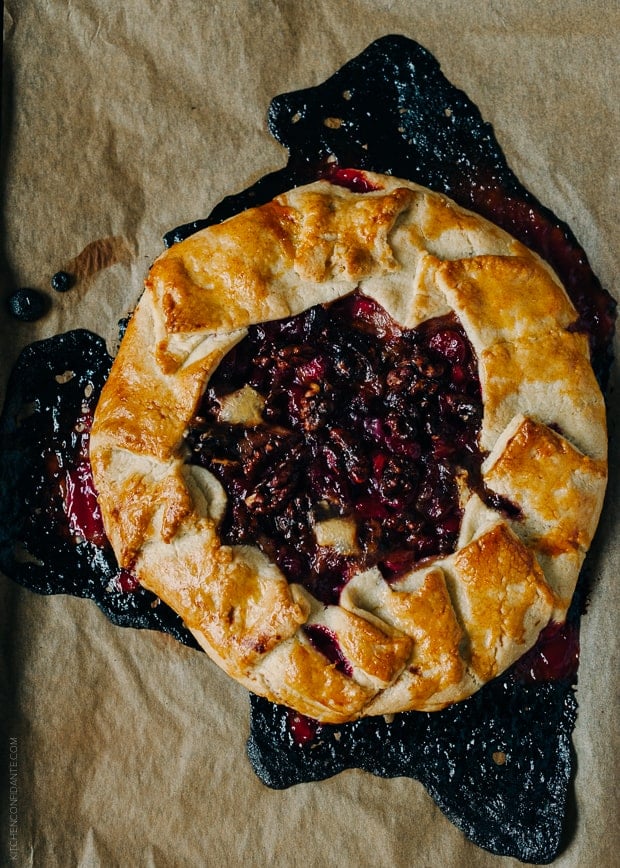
[{"x": 363, "y": 421}]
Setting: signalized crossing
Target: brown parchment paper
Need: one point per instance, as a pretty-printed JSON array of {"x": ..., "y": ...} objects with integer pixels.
[{"x": 120, "y": 121}]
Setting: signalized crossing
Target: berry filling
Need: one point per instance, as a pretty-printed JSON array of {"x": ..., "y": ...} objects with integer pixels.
[
  {"x": 354, "y": 458},
  {"x": 325, "y": 641}
]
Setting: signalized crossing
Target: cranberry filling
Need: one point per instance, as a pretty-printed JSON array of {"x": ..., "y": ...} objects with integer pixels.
[
  {"x": 362, "y": 421},
  {"x": 325, "y": 641}
]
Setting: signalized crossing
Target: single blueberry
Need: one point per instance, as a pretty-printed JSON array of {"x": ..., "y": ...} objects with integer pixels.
[{"x": 27, "y": 304}]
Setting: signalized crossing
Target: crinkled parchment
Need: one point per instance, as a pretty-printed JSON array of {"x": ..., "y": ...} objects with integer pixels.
[{"x": 121, "y": 121}]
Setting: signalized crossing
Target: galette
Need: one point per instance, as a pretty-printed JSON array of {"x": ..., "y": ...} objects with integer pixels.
[{"x": 353, "y": 438}]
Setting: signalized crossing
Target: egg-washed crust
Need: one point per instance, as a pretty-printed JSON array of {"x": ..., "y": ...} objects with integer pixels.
[{"x": 436, "y": 635}]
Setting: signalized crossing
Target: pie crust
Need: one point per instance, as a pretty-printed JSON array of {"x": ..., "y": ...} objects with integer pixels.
[{"x": 444, "y": 629}]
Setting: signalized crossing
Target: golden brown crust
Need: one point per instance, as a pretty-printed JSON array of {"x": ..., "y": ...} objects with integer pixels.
[
  {"x": 559, "y": 503},
  {"x": 440, "y": 632},
  {"x": 424, "y": 611},
  {"x": 501, "y": 597}
]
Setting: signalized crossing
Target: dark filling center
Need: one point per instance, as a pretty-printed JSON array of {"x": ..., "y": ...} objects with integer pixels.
[{"x": 362, "y": 422}]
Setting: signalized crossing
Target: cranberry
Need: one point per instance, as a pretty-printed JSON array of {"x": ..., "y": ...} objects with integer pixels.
[
  {"x": 450, "y": 344},
  {"x": 397, "y": 563},
  {"x": 311, "y": 372},
  {"x": 373, "y": 317}
]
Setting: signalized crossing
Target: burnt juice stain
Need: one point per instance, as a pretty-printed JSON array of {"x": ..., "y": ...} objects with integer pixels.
[
  {"x": 51, "y": 536},
  {"x": 389, "y": 110}
]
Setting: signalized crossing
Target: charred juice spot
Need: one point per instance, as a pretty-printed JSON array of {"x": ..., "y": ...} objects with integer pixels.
[
  {"x": 27, "y": 304},
  {"x": 52, "y": 538},
  {"x": 62, "y": 281}
]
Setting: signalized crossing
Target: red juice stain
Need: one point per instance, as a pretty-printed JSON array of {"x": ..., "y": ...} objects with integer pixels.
[
  {"x": 303, "y": 729},
  {"x": 555, "y": 655},
  {"x": 81, "y": 504},
  {"x": 352, "y": 179},
  {"x": 79, "y": 495},
  {"x": 126, "y": 581}
]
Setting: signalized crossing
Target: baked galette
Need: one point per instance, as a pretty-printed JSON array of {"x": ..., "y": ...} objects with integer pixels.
[{"x": 354, "y": 439}]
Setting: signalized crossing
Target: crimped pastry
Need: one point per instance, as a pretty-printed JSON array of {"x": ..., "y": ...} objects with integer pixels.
[{"x": 438, "y": 633}]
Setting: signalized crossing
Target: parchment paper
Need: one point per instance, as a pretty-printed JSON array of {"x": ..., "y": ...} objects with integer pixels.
[{"x": 122, "y": 120}]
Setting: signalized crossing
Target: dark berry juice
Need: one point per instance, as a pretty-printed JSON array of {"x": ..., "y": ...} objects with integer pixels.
[{"x": 362, "y": 420}]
